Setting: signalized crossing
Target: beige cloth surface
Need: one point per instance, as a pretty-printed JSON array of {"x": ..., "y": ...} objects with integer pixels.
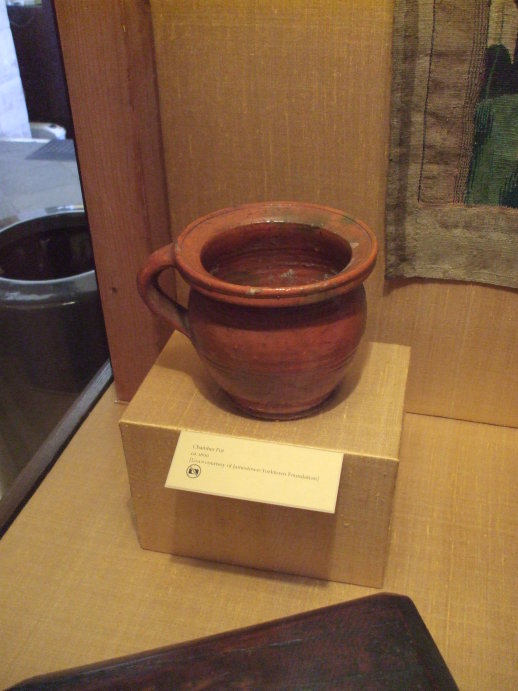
[{"x": 75, "y": 587}]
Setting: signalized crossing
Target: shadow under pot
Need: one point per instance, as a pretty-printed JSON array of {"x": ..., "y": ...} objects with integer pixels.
[
  {"x": 276, "y": 307},
  {"x": 50, "y": 313}
]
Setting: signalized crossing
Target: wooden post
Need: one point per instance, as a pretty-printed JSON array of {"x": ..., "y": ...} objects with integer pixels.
[{"x": 109, "y": 63}]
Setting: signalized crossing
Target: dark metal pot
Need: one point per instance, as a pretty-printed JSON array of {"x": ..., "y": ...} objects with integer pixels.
[{"x": 50, "y": 313}]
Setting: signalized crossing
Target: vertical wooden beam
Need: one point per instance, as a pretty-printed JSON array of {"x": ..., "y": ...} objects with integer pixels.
[{"x": 108, "y": 55}]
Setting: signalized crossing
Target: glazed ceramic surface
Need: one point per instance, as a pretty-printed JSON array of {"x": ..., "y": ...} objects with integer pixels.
[{"x": 276, "y": 307}]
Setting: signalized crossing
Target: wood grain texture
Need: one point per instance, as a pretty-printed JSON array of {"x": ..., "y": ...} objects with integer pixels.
[
  {"x": 76, "y": 588},
  {"x": 109, "y": 62},
  {"x": 378, "y": 641}
]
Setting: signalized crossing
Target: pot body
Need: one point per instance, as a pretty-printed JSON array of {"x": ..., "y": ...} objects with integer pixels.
[
  {"x": 278, "y": 362},
  {"x": 277, "y": 305}
]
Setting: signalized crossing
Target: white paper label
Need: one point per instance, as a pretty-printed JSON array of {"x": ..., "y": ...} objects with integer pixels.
[{"x": 267, "y": 472}]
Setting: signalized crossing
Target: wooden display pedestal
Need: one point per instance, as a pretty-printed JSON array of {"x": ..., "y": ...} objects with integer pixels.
[{"x": 362, "y": 420}]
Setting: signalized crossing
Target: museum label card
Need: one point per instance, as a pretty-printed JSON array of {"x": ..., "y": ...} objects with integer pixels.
[{"x": 296, "y": 476}]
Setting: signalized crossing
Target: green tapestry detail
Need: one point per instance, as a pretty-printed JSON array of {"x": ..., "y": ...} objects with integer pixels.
[{"x": 493, "y": 175}]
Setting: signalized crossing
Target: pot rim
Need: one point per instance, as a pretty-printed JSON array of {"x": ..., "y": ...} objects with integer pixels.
[{"x": 189, "y": 245}]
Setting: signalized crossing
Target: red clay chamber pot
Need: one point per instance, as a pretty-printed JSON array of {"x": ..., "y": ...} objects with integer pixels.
[{"x": 276, "y": 307}]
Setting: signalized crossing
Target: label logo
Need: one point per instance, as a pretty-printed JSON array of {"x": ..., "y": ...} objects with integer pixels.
[{"x": 193, "y": 470}]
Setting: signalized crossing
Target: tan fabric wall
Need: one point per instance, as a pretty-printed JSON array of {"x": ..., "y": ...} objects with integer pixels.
[
  {"x": 291, "y": 100},
  {"x": 284, "y": 99}
]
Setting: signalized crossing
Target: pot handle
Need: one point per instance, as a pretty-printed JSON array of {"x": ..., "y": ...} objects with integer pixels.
[{"x": 153, "y": 295}]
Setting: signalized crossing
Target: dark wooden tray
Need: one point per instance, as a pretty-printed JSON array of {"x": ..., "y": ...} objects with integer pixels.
[{"x": 377, "y": 642}]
